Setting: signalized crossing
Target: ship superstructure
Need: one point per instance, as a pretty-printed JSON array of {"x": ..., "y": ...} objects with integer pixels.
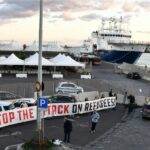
[{"x": 112, "y": 42}]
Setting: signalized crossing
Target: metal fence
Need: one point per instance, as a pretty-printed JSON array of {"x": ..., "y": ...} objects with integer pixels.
[{"x": 26, "y": 89}]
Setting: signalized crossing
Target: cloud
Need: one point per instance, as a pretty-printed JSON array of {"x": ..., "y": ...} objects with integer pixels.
[
  {"x": 68, "y": 16},
  {"x": 27, "y": 8},
  {"x": 90, "y": 17},
  {"x": 129, "y": 7},
  {"x": 105, "y": 4},
  {"x": 137, "y": 6},
  {"x": 145, "y": 32},
  {"x": 145, "y": 4},
  {"x": 12, "y": 9},
  {"x": 17, "y": 9},
  {"x": 3, "y": 22}
]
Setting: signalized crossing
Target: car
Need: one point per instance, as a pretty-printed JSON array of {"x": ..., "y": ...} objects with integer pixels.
[
  {"x": 68, "y": 87},
  {"x": 133, "y": 75},
  {"x": 146, "y": 110},
  {"x": 8, "y": 96},
  {"x": 15, "y": 99},
  {"x": 62, "y": 98},
  {"x": 4, "y": 106},
  {"x": 28, "y": 101}
]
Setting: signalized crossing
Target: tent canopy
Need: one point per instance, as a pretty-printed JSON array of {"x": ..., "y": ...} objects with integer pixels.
[
  {"x": 62, "y": 60},
  {"x": 59, "y": 60},
  {"x": 33, "y": 61},
  {"x": 12, "y": 60},
  {"x": 51, "y": 46}
]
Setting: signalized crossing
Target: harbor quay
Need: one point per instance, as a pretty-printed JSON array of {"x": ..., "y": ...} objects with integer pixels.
[{"x": 113, "y": 125}]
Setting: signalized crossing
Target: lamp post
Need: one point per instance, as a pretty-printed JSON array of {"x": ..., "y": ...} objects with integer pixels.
[{"x": 39, "y": 93}]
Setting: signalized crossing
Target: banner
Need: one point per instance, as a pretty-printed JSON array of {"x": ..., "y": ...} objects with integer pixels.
[{"x": 55, "y": 109}]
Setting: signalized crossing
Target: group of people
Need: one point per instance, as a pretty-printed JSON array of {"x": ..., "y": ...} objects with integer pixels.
[
  {"x": 68, "y": 125},
  {"x": 95, "y": 116}
]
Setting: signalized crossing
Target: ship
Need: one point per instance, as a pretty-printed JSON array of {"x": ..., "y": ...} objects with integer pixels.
[{"x": 112, "y": 42}]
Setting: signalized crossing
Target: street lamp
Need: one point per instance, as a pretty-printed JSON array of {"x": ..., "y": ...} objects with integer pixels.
[{"x": 39, "y": 123}]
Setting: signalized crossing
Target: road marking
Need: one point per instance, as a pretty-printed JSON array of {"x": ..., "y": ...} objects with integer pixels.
[
  {"x": 10, "y": 134},
  {"x": 47, "y": 127},
  {"x": 4, "y": 135},
  {"x": 14, "y": 147},
  {"x": 83, "y": 125},
  {"x": 16, "y": 133}
]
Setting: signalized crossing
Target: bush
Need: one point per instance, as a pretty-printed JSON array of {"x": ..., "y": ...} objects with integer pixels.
[{"x": 35, "y": 145}]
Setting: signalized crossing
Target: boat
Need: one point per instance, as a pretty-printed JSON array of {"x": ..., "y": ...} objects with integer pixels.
[{"x": 112, "y": 42}]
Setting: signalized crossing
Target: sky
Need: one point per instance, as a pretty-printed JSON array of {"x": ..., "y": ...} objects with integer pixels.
[{"x": 70, "y": 21}]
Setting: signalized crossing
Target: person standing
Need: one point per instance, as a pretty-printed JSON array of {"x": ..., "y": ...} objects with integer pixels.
[
  {"x": 115, "y": 95},
  {"x": 131, "y": 103},
  {"x": 125, "y": 98},
  {"x": 103, "y": 96},
  {"x": 94, "y": 120},
  {"x": 67, "y": 129},
  {"x": 23, "y": 104},
  {"x": 110, "y": 93}
]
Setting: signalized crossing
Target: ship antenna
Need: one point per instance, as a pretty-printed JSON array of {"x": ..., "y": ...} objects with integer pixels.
[
  {"x": 120, "y": 23},
  {"x": 103, "y": 24},
  {"x": 115, "y": 24},
  {"x": 110, "y": 21}
]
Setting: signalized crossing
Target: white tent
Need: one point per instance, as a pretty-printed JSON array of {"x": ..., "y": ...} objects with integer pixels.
[
  {"x": 33, "y": 61},
  {"x": 62, "y": 60},
  {"x": 12, "y": 60},
  {"x": 58, "y": 58},
  {"x": 50, "y": 46},
  {"x": 2, "y": 58},
  {"x": 10, "y": 45}
]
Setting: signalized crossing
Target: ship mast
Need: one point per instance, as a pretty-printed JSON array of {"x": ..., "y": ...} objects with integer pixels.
[{"x": 120, "y": 28}]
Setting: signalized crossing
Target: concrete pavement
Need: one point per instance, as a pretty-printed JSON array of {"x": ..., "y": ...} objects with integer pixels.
[{"x": 133, "y": 134}]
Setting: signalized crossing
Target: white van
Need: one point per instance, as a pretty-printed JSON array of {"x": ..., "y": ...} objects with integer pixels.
[{"x": 5, "y": 105}]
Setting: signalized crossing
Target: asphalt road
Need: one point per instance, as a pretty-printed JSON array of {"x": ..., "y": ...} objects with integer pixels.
[
  {"x": 106, "y": 72},
  {"x": 54, "y": 128},
  {"x": 103, "y": 72}
]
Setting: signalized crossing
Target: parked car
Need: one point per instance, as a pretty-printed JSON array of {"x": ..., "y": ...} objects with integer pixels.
[
  {"x": 62, "y": 98},
  {"x": 146, "y": 110},
  {"x": 15, "y": 99},
  {"x": 4, "y": 105},
  {"x": 28, "y": 101},
  {"x": 68, "y": 87},
  {"x": 5, "y": 95},
  {"x": 133, "y": 75}
]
